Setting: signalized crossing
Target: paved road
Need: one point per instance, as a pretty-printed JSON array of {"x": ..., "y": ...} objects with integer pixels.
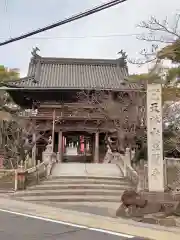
[
  {"x": 102, "y": 211},
  {"x": 23, "y": 228}
]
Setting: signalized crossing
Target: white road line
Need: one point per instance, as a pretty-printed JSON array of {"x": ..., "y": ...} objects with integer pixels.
[{"x": 67, "y": 224}]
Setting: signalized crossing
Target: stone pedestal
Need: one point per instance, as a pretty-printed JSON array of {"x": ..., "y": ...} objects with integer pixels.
[{"x": 154, "y": 138}]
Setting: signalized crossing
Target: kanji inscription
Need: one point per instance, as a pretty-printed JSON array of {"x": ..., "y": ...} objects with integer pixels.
[{"x": 154, "y": 137}]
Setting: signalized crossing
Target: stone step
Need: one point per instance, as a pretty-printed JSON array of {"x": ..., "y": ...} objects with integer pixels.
[
  {"x": 6, "y": 190},
  {"x": 86, "y": 170},
  {"x": 73, "y": 198},
  {"x": 88, "y": 177},
  {"x": 60, "y": 187},
  {"x": 84, "y": 181},
  {"x": 68, "y": 192}
]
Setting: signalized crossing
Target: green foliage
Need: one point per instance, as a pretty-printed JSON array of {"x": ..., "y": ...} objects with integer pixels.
[
  {"x": 144, "y": 77},
  {"x": 170, "y": 142},
  {"x": 171, "y": 52},
  {"x": 8, "y": 74},
  {"x": 173, "y": 74},
  {"x": 170, "y": 92}
]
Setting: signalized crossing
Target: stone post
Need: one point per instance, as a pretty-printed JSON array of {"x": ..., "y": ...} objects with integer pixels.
[
  {"x": 16, "y": 179},
  {"x": 34, "y": 149},
  {"x": 60, "y": 147},
  {"x": 128, "y": 157},
  {"x": 154, "y": 138},
  {"x": 96, "y": 152},
  {"x": 126, "y": 160},
  {"x": 141, "y": 170}
]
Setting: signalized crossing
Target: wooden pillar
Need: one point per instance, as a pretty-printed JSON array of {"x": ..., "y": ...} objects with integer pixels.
[
  {"x": 34, "y": 149},
  {"x": 60, "y": 146},
  {"x": 96, "y": 150}
]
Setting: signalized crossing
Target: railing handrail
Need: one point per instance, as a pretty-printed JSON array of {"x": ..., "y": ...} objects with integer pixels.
[
  {"x": 33, "y": 169},
  {"x": 7, "y": 170},
  {"x": 171, "y": 159}
]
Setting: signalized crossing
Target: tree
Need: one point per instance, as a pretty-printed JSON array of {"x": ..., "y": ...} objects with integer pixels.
[
  {"x": 17, "y": 140},
  {"x": 14, "y": 131},
  {"x": 123, "y": 114},
  {"x": 6, "y": 106},
  {"x": 165, "y": 39},
  {"x": 8, "y": 74},
  {"x": 165, "y": 44},
  {"x": 171, "y": 52},
  {"x": 171, "y": 117}
]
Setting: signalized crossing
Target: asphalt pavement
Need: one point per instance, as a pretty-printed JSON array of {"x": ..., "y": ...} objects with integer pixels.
[{"x": 18, "y": 227}]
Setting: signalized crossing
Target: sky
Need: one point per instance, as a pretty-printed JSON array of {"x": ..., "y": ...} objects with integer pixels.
[{"x": 101, "y": 35}]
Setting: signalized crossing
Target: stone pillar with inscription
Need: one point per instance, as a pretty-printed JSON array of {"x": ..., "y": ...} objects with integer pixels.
[{"x": 154, "y": 138}]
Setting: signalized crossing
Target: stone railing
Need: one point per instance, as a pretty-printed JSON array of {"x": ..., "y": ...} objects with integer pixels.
[
  {"x": 20, "y": 178},
  {"x": 35, "y": 174},
  {"x": 132, "y": 175},
  {"x": 7, "y": 180},
  {"x": 118, "y": 160},
  {"x": 32, "y": 176},
  {"x": 142, "y": 171},
  {"x": 171, "y": 174},
  {"x": 129, "y": 171},
  {"x": 124, "y": 164},
  {"x": 138, "y": 173}
]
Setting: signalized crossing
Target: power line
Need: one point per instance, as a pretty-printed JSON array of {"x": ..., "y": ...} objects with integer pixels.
[
  {"x": 79, "y": 37},
  {"x": 65, "y": 21}
]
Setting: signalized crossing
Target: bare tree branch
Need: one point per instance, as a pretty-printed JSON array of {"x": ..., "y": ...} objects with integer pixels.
[
  {"x": 121, "y": 114},
  {"x": 151, "y": 38},
  {"x": 162, "y": 33},
  {"x": 155, "y": 25}
]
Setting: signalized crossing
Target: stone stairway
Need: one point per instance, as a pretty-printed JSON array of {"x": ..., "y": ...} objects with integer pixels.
[
  {"x": 77, "y": 190},
  {"x": 80, "y": 186}
]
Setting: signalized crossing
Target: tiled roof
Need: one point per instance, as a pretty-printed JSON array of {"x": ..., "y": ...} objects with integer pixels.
[{"x": 69, "y": 73}]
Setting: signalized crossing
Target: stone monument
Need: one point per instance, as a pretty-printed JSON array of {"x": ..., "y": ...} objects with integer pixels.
[{"x": 154, "y": 138}]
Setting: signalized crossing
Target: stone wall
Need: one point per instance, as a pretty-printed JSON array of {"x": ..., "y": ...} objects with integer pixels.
[{"x": 171, "y": 173}]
